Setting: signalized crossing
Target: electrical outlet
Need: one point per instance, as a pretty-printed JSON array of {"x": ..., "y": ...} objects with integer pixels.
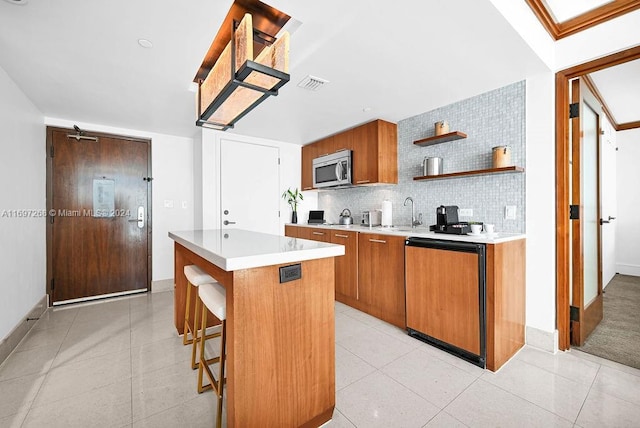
[
  {"x": 168, "y": 203},
  {"x": 510, "y": 212},
  {"x": 466, "y": 212}
]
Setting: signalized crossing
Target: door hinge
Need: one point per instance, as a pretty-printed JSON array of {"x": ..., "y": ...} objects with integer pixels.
[
  {"x": 278, "y": 161},
  {"x": 574, "y": 212},
  {"x": 53, "y": 284},
  {"x": 52, "y": 217},
  {"x": 149, "y": 179},
  {"x": 51, "y": 151},
  {"x": 574, "y": 110},
  {"x": 574, "y": 313},
  {"x": 278, "y": 214}
]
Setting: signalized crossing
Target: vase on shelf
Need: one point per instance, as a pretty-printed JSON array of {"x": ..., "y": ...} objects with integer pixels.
[{"x": 294, "y": 217}]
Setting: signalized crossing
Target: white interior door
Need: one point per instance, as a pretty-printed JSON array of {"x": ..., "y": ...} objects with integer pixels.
[{"x": 249, "y": 186}]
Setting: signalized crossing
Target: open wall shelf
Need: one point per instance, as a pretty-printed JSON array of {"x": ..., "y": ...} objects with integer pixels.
[
  {"x": 504, "y": 170},
  {"x": 438, "y": 139}
]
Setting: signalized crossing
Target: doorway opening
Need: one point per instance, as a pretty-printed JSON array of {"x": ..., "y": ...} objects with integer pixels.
[{"x": 570, "y": 314}]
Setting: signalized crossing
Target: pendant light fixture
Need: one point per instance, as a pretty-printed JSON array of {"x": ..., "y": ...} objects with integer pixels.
[{"x": 244, "y": 66}]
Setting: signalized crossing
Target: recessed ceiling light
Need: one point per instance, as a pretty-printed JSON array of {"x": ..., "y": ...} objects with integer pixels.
[
  {"x": 144, "y": 43},
  {"x": 17, "y": 2},
  {"x": 367, "y": 109}
]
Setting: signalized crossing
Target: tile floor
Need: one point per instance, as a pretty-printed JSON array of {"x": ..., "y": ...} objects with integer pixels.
[{"x": 119, "y": 363}]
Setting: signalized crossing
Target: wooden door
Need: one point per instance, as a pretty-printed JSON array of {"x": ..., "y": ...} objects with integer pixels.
[
  {"x": 346, "y": 266},
  {"x": 250, "y": 186},
  {"x": 381, "y": 276},
  {"x": 443, "y": 296},
  {"x": 586, "y": 297},
  {"x": 96, "y": 190}
]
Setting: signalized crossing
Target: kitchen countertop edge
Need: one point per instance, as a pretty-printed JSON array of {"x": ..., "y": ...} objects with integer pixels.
[
  {"x": 319, "y": 250},
  {"x": 420, "y": 232}
]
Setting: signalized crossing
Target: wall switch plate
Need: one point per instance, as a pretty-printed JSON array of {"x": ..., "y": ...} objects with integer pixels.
[
  {"x": 510, "y": 212},
  {"x": 184, "y": 205},
  {"x": 168, "y": 203},
  {"x": 466, "y": 212}
]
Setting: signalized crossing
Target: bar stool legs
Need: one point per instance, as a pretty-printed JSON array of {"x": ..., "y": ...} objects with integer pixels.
[{"x": 213, "y": 299}]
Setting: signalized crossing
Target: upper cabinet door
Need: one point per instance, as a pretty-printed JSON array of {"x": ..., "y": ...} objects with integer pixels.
[{"x": 365, "y": 153}]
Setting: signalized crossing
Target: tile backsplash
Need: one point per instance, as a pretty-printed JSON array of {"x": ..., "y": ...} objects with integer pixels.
[{"x": 495, "y": 118}]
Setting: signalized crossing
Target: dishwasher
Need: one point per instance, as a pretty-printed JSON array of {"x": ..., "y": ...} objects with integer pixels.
[{"x": 446, "y": 296}]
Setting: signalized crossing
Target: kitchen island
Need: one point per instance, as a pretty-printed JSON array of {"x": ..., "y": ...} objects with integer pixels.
[{"x": 280, "y": 330}]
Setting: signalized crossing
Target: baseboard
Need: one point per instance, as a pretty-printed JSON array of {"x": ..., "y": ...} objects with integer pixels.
[
  {"x": 162, "y": 285},
  {"x": 541, "y": 339},
  {"x": 9, "y": 343},
  {"x": 624, "y": 269}
]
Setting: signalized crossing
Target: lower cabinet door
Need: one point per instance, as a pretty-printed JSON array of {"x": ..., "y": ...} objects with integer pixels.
[
  {"x": 346, "y": 266},
  {"x": 381, "y": 276}
]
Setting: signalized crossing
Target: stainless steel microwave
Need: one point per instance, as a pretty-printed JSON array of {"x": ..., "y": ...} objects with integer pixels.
[{"x": 332, "y": 170}]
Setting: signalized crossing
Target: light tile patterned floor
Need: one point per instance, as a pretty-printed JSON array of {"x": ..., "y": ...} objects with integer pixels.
[{"x": 119, "y": 363}]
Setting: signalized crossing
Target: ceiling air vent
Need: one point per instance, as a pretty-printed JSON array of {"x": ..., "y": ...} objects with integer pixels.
[{"x": 312, "y": 83}]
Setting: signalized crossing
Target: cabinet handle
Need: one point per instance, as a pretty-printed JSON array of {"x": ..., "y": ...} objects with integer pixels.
[
  {"x": 380, "y": 241},
  {"x": 341, "y": 236},
  {"x": 307, "y": 188},
  {"x": 363, "y": 181},
  {"x": 318, "y": 233},
  {"x": 339, "y": 150}
]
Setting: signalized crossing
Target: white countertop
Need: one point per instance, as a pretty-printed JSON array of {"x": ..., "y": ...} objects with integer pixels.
[
  {"x": 234, "y": 249},
  {"x": 423, "y": 232}
]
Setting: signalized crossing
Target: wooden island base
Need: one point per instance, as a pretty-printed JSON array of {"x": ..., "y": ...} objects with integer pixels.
[{"x": 280, "y": 343}]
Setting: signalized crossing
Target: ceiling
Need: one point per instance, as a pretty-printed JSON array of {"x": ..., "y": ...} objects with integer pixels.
[
  {"x": 81, "y": 61},
  {"x": 620, "y": 90},
  {"x": 563, "y": 10}
]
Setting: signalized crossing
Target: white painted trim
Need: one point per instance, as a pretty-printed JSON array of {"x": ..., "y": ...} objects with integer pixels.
[
  {"x": 102, "y": 296},
  {"x": 625, "y": 269},
  {"x": 544, "y": 340},
  {"x": 162, "y": 285}
]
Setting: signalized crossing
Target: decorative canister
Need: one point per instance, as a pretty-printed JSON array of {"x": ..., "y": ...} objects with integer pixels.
[
  {"x": 442, "y": 127},
  {"x": 432, "y": 166},
  {"x": 501, "y": 156}
]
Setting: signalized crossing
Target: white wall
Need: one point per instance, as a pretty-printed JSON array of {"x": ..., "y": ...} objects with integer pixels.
[
  {"x": 290, "y": 170},
  {"x": 540, "y": 203},
  {"x": 172, "y": 172},
  {"x": 628, "y": 177},
  {"x": 608, "y": 199},
  {"x": 23, "y": 178}
]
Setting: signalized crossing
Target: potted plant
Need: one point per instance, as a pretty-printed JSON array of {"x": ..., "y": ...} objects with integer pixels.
[{"x": 293, "y": 198}]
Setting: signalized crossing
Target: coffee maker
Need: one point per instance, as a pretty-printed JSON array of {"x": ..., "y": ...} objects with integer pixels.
[{"x": 447, "y": 221}]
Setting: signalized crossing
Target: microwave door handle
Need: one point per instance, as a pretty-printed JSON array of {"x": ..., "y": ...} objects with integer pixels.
[{"x": 339, "y": 171}]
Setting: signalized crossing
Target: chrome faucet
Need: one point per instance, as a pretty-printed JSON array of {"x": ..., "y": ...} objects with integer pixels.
[{"x": 414, "y": 221}]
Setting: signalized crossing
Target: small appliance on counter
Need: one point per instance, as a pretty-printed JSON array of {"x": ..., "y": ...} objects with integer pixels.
[
  {"x": 316, "y": 217},
  {"x": 345, "y": 217},
  {"x": 372, "y": 218},
  {"x": 447, "y": 221}
]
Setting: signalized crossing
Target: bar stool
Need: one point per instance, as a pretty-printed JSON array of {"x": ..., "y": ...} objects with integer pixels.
[
  {"x": 214, "y": 298},
  {"x": 195, "y": 278}
]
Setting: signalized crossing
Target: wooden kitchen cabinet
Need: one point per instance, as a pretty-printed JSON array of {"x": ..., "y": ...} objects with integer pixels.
[
  {"x": 346, "y": 267},
  {"x": 381, "y": 276},
  {"x": 375, "y": 153},
  {"x": 374, "y": 147}
]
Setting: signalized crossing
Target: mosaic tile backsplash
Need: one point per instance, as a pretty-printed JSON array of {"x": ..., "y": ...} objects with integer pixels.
[{"x": 491, "y": 119}]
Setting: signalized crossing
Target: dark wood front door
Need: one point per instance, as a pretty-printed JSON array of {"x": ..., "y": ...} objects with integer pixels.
[{"x": 98, "y": 198}]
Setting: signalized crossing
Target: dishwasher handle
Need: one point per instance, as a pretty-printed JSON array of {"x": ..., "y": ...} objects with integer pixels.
[{"x": 441, "y": 244}]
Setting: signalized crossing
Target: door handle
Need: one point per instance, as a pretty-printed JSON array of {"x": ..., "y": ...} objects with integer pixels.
[
  {"x": 318, "y": 233},
  {"x": 379, "y": 241},
  {"x": 611, "y": 218},
  {"x": 604, "y": 222},
  {"x": 341, "y": 236},
  {"x": 140, "y": 219},
  {"x": 227, "y": 222}
]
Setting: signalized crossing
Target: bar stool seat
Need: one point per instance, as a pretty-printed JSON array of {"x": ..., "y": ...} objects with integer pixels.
[
  {"x": 195, "y": 278},
  {"x": 214, "y": 299}
]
